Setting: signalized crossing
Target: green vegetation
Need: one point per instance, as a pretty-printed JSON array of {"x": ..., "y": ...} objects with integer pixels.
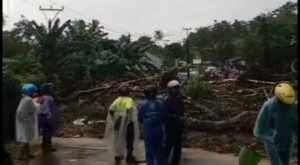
[
  {"x": 78, "y": 55},
  {"x": 198, "y": 86},
  {"x": 269, "y": 40}
]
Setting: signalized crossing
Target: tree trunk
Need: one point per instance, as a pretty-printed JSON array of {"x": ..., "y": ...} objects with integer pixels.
[{"x": 240, "y": 121}]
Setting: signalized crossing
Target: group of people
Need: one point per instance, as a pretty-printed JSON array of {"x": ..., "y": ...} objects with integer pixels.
[
  {"x": 36, "y": 114},
  {"x": 162, "y": 124}
]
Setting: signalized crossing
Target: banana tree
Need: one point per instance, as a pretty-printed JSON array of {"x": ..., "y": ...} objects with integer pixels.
[
  {"x": 50, "y": 42},
  {"x": 132, "y": 54},
  {"x": 86, "y": 42}
]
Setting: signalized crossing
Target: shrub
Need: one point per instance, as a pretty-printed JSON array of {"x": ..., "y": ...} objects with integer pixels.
[{"x": 197, "y": 86}]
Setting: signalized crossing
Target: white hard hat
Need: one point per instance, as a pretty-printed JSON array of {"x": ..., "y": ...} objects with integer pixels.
[{"x": 173, "y": 83}]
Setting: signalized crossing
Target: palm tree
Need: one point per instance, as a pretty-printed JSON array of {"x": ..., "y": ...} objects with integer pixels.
[{"x": 158, "y": 35}]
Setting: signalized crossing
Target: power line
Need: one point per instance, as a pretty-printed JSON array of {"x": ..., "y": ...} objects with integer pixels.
[
  {"x": 52, "y": 9},
  {"x": 39, "y": 2},
  {"x": 173, "y": 34},
  {"x": 109, "y": 28},
  {"x": 28, "y": 2},
  {"x": 112, "y": 29},
  {"x": 87, "y": 17}
]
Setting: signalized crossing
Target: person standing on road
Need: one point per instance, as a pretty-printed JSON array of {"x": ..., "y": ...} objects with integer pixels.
[
  {"x": 173, "y": 111},
  {"x": 27, "y": 120},
  {"x": 48, "y": 118},
  {"x": 122, "y": 125},
  {"x": 150, "y": 116},
  {"x": 276, "y": 124}
]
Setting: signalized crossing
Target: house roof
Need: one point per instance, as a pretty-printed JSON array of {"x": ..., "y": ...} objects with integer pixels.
[{"x": 153, "y": 59}]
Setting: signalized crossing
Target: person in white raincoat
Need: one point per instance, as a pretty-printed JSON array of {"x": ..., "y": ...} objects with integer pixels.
[
  {"x": 26, "y": 120},
  {"x": 122, "y": 131}
]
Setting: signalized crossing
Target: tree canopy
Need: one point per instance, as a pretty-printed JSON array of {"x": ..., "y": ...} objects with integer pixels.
[{"x": 78, "y": 54}]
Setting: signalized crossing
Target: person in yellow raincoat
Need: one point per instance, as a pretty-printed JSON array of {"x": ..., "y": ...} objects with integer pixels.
[
  {"x": 276, "y": 124},
  {"x": 122, "y": 126}
]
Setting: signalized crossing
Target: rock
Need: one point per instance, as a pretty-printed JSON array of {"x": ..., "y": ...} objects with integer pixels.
[
  {"x": 91, "y": 122},
  {"x": 77, "y": 136},
  {"x": 63, "y": 108},
  {"x": 79, "y": 121}
]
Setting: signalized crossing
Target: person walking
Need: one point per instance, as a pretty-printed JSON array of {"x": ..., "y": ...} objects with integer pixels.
[{"x": 276, "y": 124}]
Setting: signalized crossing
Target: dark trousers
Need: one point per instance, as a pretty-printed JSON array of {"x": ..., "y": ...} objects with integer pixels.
[
  {"x": 24, "y": 151},
  {"x": 155, "y": 151},
  {"x": 130, "y": 139},
  {"x": 173, "y": 141},
  {"x": 278, "y": 157},
  {"x": 47, "y": 138}
]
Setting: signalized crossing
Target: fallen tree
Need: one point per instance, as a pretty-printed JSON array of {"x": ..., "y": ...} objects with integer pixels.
[
  {"x": 160, "y": 80},
  {"x": 222, "y": 125}
]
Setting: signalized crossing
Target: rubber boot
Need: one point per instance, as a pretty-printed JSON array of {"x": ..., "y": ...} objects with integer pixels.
[
  {"x": 118, "y": 159},
  {"x": 130, "y": 158},
  {"x": 50, "y": 144},
  {"x": 29, "y": 156},
  {"x": 22, "y": 152}
]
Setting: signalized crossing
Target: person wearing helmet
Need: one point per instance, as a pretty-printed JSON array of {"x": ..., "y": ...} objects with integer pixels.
[
  {"x": 48, "y": 118},
  {"x": 276, "y": 124},
  {"x": 27, "y": 120},
  {"x": 173, "y": 111},
  {"x": 150, "y": 116},
  {"x": 122, "y": 125}
]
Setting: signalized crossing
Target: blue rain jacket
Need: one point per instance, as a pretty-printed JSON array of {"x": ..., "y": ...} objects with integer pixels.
[
  {"x": 276, "y": 124},
  {"x": 150, "y": 115}
]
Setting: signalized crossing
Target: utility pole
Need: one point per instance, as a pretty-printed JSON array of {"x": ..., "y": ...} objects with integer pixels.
[
  {"x": 264, "y": 31},
  {"x": 52, "y": 9},
  {"x": 187, "y": 50}
]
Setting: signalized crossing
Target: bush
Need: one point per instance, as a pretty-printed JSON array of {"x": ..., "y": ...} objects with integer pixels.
[{"x": 198, "y": 86}]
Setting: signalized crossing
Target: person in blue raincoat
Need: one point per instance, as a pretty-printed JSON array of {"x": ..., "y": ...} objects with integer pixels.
[
  {"x": 173, "y": 112},
  {"x": 276, "y": 124},
  {"x": 150, "y": 116}
]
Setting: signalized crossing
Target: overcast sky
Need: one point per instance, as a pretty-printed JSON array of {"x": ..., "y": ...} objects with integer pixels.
[{"x": 143, "y": 17}]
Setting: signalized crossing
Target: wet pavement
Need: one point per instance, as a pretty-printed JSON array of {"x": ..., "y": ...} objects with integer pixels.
[{"x": 89, "y": 151}]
